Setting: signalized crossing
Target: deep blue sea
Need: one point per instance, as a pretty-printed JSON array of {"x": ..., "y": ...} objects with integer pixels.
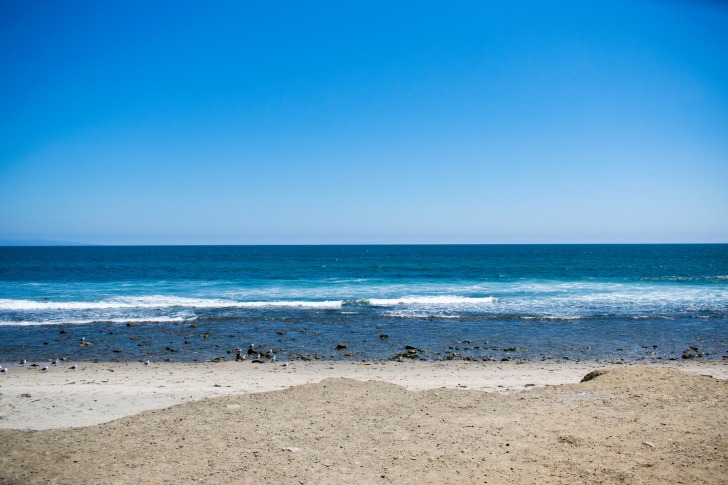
[{"x": 473, "y": 302}]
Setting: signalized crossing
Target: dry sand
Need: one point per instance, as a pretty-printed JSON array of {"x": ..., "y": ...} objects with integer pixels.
[{"x": 426, "y": 422}]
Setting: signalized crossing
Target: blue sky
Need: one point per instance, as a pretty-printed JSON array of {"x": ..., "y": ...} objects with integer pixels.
[{"x": 363, "y": 122}]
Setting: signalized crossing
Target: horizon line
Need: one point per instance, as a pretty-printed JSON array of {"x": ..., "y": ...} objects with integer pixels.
[{"x": 81, "y": 244}]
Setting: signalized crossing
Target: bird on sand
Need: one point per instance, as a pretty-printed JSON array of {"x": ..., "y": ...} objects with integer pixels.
[
  {"x": 74, "y": 366},
  {"x": 45, "y": 368}
]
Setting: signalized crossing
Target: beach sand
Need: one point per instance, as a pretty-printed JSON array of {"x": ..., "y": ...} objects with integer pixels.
[{"x": 320, "y": 422}]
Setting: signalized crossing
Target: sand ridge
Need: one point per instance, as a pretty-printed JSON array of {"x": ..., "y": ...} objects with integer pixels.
[
  {"x": 99, "y": 392},
  {"x": 637, "y": 424}
]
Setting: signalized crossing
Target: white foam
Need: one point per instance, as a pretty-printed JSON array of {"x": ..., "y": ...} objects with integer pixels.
[
  {"x": 27, "y": 323},
  {"x": 157, "y": 302},
  {"x": 431, "y": 300}
]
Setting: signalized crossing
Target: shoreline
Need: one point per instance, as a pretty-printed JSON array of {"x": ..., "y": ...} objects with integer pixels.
[{"x": 99, "y": 392}]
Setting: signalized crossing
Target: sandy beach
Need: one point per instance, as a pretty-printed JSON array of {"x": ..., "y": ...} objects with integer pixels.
[{"x": 323, "y": 422}]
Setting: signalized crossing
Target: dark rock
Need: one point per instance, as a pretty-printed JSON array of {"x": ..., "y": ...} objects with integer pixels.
[
  {"x": 134, "y": 337},
  {"x": 509, "y": 349},
  {"x": 383, "y": 336},
  {"x": 281, "y": 332},
  {"x": 118, "y": 351},
  {"x": 132, "y": 324},
  {"x": 689, "y": 355},
  {"x": 341, "y": 347},
  {"x": 593, "y": 374}
]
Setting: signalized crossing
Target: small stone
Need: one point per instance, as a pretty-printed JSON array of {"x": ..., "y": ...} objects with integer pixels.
[
  {"x": 591, "y": 375},
  {"x": 341, "y": 347}
]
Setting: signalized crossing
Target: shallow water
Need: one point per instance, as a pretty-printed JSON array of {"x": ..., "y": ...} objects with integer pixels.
[{"x": 596, "y": 302}]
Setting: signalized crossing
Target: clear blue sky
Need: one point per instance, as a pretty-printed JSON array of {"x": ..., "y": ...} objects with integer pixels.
[{"x": 150, "y": 122}]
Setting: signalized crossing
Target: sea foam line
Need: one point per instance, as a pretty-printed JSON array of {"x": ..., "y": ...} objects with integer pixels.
[
  {"x": 431, "y": 300},
  {"x": 30, "y": 323},
  {"x": 157, "y": 302}
]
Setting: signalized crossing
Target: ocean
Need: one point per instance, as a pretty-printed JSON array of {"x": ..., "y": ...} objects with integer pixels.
[{"x": 374, "y": 302}]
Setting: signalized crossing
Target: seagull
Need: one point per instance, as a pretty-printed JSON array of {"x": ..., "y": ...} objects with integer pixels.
[
  {"x": 74, "y": 366},
  {"x": 55, "y": 362},
  {"x": 273, "y": 359},
  {"x": 45, "y": 368},
  {"x": 3, "y": 369},
  {"x": 23, "y": 362},
  {"x": 83, "y": 339},
  {"x": 147, "y": 363}
]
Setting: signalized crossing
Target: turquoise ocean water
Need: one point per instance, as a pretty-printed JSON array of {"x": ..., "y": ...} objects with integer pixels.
[{"x": 187, "y": 303}]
